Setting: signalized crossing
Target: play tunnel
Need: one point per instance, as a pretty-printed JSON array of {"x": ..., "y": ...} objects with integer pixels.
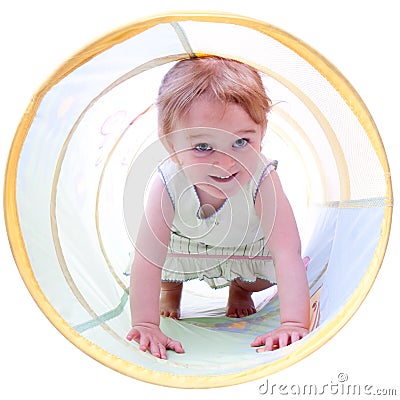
[{"x": 74, "y": 158}]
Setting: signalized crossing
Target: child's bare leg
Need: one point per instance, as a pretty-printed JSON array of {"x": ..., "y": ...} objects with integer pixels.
[
  {"x": 170, "y": 299},
  {"x": 240, "y": 304}
]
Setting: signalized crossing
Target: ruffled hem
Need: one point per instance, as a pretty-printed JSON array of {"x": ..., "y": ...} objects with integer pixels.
[{"x": 217, "y": 272}]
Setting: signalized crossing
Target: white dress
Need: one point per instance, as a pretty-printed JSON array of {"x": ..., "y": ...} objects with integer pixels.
[{"x": 227, "y": 245}]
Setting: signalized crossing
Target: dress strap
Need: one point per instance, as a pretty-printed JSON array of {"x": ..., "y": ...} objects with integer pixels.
[
  {"x": 170, "y": 174},
  {"x": 265, "y": 168}
]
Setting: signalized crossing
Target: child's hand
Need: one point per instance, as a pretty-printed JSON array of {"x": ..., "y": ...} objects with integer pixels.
[
  {"x": 150, "y": 337},
  {"x": 280, "y": 337}
]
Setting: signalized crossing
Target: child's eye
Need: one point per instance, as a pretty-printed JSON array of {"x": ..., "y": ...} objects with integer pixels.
[
  {"x": 241, "y": 142},
  {"x": 203, "y": 147}
]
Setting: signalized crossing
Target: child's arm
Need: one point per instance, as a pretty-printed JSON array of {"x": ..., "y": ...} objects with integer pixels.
[
  {"x": 284, "y": 244},
  {"x": 150, "y": 252}
]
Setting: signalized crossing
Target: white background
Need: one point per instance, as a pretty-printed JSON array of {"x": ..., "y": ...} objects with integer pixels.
[{"x": 360, "y": 37}]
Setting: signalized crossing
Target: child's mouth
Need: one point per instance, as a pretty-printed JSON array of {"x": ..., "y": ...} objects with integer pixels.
[{"x": 223, "y": 179}]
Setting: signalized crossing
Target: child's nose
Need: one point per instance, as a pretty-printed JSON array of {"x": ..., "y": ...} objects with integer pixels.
[{"x": 224, "y": 160}]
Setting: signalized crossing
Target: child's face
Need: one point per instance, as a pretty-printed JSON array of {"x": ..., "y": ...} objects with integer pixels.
[{"x": 218, "y": 146}]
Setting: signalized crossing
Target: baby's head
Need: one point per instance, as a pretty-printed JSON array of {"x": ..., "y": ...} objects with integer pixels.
[
  {"x": 212, "y": 118},
  {"x": 216, "y": 79}
]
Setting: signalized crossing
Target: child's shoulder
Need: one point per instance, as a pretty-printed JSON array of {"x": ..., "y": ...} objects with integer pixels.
[
  {"x": 265, "y": 167},
  {"x": 173, "y": 177},
  {"x": 168, "y": 169}
]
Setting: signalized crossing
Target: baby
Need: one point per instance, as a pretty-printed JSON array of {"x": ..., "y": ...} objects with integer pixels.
[{"x": 217, "y": 212}]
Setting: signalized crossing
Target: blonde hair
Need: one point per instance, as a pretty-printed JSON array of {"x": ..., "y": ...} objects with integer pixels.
[{"x": 226, "y": 80}]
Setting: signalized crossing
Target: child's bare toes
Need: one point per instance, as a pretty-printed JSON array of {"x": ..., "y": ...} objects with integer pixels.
[
  {"x": 232, "y": 313},
  {"x": 240, "y": 304},
  {"x": 248, "y": 311},
  {"x": 239, "y": 312},
  {"x": 170, "y": 300},
  {"x": 175, "y": 314}
]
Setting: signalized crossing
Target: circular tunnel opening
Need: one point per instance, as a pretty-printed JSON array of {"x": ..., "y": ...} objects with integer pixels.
[{"x": 74, "y": 156}]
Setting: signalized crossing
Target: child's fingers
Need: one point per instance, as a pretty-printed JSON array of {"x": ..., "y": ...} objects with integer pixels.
[
  {"x": 144, "y": 343},
  {"x": 163, "y": 352},
  {"x": 267, "y": 340},
  {"x": 260, "y": 340},
  {"x": 256, "y": 342},
  {"x": 270, "y": 343},
  {"x": 155, "y": 348},
  {"x": 283, "y": 339},
  {"x": 279, "y": 339},
  {"x": 157, "y": 344},
  {"x": 175, "y": 345},
  {"x": 133, "y": 334},
  {"x": 295, "y": 337}
]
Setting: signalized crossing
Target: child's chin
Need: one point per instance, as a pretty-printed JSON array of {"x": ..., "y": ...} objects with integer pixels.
[{"x": 219, "y": 192}]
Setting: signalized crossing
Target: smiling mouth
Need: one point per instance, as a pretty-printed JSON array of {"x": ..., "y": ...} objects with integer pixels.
[{"x": 223, "y": 179}]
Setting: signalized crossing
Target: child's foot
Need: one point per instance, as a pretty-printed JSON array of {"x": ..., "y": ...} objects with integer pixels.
[
  {"x": 240, "y": 304},
  {"x": 170, "y": 299}
]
